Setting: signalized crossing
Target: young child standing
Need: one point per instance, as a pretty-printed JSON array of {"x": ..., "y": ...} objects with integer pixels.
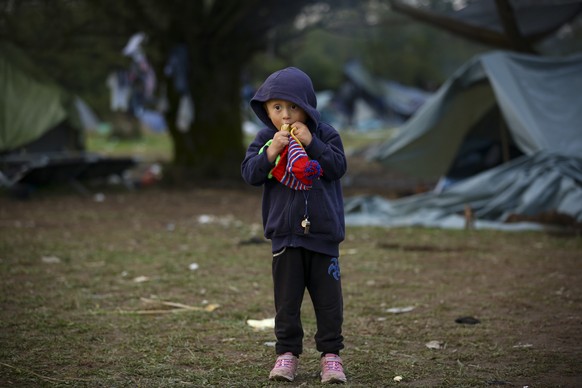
[{"x": 303, "y": 216}]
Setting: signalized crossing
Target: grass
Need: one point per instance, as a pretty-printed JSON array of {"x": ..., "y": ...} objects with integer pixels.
[
  {"x": 151, "y": 147},
  {"x": 76, "y": 321},
  {"x": 158, "y": 146},
  {"x": 78, "y": 277}
]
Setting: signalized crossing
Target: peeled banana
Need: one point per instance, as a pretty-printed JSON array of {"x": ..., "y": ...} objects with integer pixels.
[{"x": 287, "y": 127}]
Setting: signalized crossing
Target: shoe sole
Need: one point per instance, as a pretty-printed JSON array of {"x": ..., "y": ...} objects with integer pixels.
[
  {"x": 281, "y": 378},
  {"x": 334, "y": 380}
]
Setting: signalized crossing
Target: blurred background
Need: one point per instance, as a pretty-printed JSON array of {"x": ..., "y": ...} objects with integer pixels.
[{"x": 178, "y": 75}]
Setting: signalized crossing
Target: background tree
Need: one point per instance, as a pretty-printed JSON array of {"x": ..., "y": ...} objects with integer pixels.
[
  {"x": 221, "y": 39},
  {"x": 510, "y": 34},
  {"x": 79, "y": 41}
]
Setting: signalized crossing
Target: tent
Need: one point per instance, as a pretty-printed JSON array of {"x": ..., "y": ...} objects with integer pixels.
[
  {"x": 528, "y": 108},
  {"x": 369, "y": 102},
  {"x": 32, "y": 106},
  {"x": 42, "y": 128}
]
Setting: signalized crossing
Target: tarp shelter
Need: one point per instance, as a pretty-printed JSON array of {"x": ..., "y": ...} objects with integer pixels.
[
  {"x": 32, "y": 106},
  {"x": 538, "y": 102},
  {"x": 369, "y": 102},
  {"x": 41, "y": 128}
]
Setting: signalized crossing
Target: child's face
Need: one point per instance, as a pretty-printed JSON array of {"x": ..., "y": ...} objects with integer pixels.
[{"x": 284, "y": 112}]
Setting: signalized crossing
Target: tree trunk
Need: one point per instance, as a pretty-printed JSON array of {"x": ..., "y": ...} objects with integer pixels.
[{"x": 212, "y": 148}]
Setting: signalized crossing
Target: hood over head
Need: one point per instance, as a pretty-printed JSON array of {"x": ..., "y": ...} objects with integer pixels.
[{"x": 290, "y": 84}]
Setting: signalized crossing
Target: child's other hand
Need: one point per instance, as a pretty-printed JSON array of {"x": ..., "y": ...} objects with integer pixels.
[
  {"x": 302, "y": 133},
  {"x": 280, "y": 141}
]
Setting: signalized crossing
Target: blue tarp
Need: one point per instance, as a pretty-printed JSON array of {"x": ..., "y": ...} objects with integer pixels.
[{"x": 540, "y": 103}]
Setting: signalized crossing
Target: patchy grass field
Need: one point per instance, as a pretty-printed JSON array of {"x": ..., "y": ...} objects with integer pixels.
[
  {"x": 86, "y": 290},
  {"x": 120, "y": 290}
]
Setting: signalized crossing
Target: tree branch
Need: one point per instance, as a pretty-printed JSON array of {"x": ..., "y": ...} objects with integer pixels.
[
  {"x": 454, "y": 26},
  {"x": 512, "y": 32}
]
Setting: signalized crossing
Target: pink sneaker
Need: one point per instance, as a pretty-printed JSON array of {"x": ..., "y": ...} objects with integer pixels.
[
  {"x": 332, "y": 370},
  {"x": 285, "y": 367}
]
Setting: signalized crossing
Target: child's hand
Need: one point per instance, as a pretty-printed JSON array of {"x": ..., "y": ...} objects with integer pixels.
[
  {"x": 280, "y": 141},
  {"x": 302, "y": 133}
]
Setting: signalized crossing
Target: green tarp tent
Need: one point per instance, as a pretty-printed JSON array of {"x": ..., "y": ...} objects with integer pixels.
[
  {"x": 41, "y": 129},
  {"x": 31, "y": 106}
]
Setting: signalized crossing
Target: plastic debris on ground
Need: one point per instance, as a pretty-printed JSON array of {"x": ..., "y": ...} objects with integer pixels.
[
  {"x": 400, "y": 310},
  {"x": 50, "y": 259},
  {"x": 523, "y": 346},
  {"x": 261, "y": 324},
  {"x": 227, "y": 220},
  {"x": 151, "y": 175},
  {"x": 435, "y": 344}
]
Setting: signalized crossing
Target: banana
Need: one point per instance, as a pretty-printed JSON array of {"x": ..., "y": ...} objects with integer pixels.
[{"x": 287, "y": 127}]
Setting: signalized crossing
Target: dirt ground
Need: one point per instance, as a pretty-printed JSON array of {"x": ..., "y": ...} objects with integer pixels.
[{"x": 58, "y": 329}]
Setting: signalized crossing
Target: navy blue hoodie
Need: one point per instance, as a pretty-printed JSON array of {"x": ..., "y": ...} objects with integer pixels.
[{"x": 283, "y": 209}]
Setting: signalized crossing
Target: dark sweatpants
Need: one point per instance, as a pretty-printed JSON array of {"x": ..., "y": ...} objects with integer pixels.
[{"x": 294, "y": 270}]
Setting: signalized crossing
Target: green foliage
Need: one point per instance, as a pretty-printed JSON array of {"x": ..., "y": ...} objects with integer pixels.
[
  {"x": 322, "y": 55},
  {"x": 148, "y": 148},
  {"x": 63, "y": 39},
  {"x": 78, "y": 43},
  {"x": 395, "y": 49}
]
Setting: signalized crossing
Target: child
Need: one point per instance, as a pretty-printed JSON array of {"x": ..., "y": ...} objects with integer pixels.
[{"x": 304, "y": 218}]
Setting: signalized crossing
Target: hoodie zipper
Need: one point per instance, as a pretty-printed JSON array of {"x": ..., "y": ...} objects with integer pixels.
[{"x": 290, "y": 219}]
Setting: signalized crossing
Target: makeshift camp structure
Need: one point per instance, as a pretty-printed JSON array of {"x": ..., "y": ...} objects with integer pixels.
[
  {"x": 369, "y": 102},
  {"x": 41, "y": 129},
  {"x": 517, "y": 104}
]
